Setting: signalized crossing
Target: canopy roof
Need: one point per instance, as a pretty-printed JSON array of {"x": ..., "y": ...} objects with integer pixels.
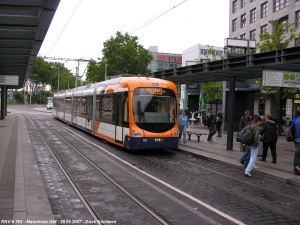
[
  {"x": 244, "y": 67},
  {"x": 23, "y": 27}
]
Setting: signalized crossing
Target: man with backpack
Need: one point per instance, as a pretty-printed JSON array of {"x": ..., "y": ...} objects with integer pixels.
[
  {"x": 250, "y": 137},
  {"x": 244, "y": 121}
]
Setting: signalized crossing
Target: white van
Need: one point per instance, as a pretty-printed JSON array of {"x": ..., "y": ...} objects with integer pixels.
[{"x": 49, "y": 102}]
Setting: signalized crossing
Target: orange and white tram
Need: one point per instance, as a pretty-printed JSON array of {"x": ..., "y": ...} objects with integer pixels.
[{"x": 133, "y": 112}]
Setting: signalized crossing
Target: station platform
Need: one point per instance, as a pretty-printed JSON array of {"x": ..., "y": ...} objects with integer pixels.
[{"x": 22, "y": 193}]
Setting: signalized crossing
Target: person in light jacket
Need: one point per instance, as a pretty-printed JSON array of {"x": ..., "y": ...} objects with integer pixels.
[
  {"x": 269, "y": 131},
  {"x": 183, "y": 123},
  {"x": 255, "y": 127}
]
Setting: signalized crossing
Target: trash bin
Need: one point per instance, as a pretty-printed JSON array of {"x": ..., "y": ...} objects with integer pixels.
[{"x": 260, "y": 148}]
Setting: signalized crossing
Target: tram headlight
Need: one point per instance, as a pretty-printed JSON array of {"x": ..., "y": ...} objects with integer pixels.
[
  {"x": 176, "y": 134},
  {"x": 136, "y": 134}
]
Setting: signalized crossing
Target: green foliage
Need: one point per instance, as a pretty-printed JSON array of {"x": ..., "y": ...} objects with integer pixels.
[
  {"x": 213, "y": 91},
  {"x": 41, "y": 72},
  {"x": 277, "y": 40},
  {"x": 46, "y": 73},
  {"x": 19, "y": 97},
  {"x": 95, "y": 71},
  {"x": 123, "y": 55}
]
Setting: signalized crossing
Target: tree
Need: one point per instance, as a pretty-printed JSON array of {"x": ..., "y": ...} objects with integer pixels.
[
  {"x": 95, "y": 71},
  {"x": 213, "y": 90},
  {"x": 271, "y": 42},
  {"x": 123, "y": 55}
]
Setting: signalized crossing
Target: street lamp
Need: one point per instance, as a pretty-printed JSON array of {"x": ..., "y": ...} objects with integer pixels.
[{"x": 57, "y": 77}]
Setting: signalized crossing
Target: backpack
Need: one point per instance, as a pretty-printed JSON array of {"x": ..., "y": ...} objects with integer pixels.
[
  {"x": 239, "y": 134},
  {"x": 290, "y": 133},
  {"x": 247, "y": 136}
]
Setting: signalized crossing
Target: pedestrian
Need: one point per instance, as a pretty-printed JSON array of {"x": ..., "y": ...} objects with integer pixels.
[
  {"x": 244, "y": 121},
  {"x": 244, "y": 160},
  {"x": 255, "y": 128},
  {"x": 219, "y": 120},
  {"x": 183, "y": 125},
  {"x": 179, "y": 110},
  {"x": 211, "y": 125},
  {"x": 269, "y": 138},
  {"x": 296, "y": 123}
]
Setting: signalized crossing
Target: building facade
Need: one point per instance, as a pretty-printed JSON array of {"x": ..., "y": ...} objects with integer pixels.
[
  {"x": 249, "y": 18},
  {"x": 163, "y": 61}
]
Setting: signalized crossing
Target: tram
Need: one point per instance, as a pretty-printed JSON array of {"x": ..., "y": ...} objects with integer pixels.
[{"x": 135, "y": 112}]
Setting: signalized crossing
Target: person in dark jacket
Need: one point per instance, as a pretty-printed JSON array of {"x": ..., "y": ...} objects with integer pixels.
[
  {"x": 269, "y": 131},
  {"x": 219, "y": 120},
  {"x": 244, "y": 121},
  {"x": 296, "y": 123},
  {"x": 211, "y": 125}
]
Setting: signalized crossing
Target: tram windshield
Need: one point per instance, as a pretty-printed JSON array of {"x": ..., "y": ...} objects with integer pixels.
[{"x": 154, "y": 109}]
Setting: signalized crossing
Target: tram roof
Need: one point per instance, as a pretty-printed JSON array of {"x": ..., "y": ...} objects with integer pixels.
[
  {"x": 23, "y": 27},
  {"x": 243, "y": 67}
]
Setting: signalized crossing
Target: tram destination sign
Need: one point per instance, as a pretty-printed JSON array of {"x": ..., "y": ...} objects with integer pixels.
[
  {"x": 281, "y": 78},
  {"x": 9, "y": 80}
]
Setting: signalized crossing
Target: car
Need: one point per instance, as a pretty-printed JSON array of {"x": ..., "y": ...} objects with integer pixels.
[{"x": 49, "y": 106}]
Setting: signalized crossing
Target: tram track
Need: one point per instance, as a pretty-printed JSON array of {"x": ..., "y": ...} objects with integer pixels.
[
  {"x": 91, "y": 209},
  {"x": 155, "y": 187},
  {"x": 229, "y": 190},
  {"x": 194, "y": 176}
]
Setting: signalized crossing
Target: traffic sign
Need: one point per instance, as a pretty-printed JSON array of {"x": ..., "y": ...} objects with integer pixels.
[
  {"x": 281, "y": 78},
  {"x": 9, "y": 80}
]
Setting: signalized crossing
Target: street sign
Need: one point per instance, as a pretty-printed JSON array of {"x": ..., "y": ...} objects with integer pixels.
[
  {"x": 281, "y": 78},
  {"x": 9, "y": 80}
]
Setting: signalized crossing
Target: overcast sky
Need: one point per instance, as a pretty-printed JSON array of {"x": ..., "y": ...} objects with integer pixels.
[{"x": 95, "y": 21}]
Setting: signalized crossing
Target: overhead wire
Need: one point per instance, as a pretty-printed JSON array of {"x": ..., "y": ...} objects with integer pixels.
[
  {"x": 151, "y": 20},
  {"x": 155, "y": 18},
  {"x": 59, "y": 35}
]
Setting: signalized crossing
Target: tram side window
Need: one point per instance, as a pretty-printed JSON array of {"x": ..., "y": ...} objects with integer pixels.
[
  {"x": 68, "y": 105},
  {"x": 60, "y": 104},
  {"x": 75, "y": 105},
  {"x": 98, "y": 108},
  {"x": 106, "y": 107},
  {"x": 126, "y": 108},
  {"x": 89, "y": 107},
  {"x": 82, "y": 106}
]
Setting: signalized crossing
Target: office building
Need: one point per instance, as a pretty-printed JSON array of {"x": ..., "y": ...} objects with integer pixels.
[
  {"x": 163, "y": 61},
  {"x": 249, "y": 18}
]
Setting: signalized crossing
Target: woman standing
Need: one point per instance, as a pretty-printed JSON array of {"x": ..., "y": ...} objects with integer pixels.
[
  {"x": 219, "y": 120},
  {"x": 269, "y": 131},
  {"x": 183, "y": 125}
]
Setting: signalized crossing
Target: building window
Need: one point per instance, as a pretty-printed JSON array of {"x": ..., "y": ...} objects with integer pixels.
[
  {"x": 297, "y": 24},
  {"x": 297, "y": 42},
  {"x": 263, "y": 29},
  {"x": 243, "y": 21},
  {"x": 243, "y": 3},
  {"x": 253, "y": 15},
  {"x": 283, "y": 21},
  {"x": 252, "y": 35},
  {"x": 234, "y": 25},
  {"x": 264, "y": 9},
  {"x": 234, "y": 6},
  {"x": 204, "y": 51},
  {"x": 243, "y": 36},
  {"x": 280, "y": 4}
]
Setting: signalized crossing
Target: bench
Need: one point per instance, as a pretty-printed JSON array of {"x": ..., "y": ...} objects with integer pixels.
[{"x": 198, "y": 133}]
